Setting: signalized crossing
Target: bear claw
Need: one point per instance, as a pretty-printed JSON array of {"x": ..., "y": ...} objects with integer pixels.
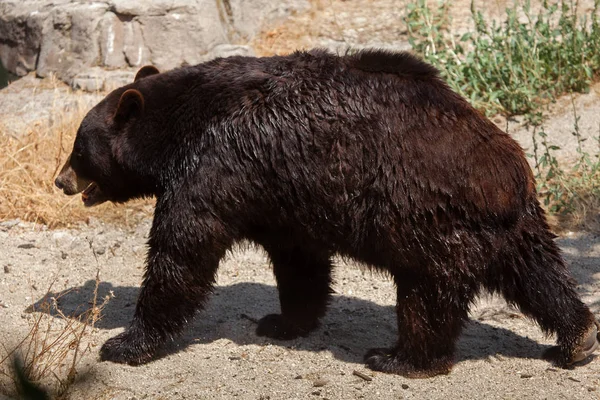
[
  {"x": 123, "y": 349},
  {"x": 589, "y": 345},
  {"x": 386, "y": 360}
]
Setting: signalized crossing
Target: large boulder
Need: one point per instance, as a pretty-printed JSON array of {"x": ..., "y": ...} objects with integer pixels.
[{"x": 78, "y": 41}]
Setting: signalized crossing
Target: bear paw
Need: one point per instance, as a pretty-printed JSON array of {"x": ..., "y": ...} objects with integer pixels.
[
  {"x": 126, "y": 348},
  {"x": 276, "y": 326},
  {"x": 388, "y": 361},
  {"x": 587, "y": 346}
]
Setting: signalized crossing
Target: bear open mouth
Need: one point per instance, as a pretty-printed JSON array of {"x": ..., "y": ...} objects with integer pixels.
[{"x": 92, "y": 195}]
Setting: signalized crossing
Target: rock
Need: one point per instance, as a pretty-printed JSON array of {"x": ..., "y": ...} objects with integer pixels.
[
  {"x": 74, "y": 39},
  {"x": 62, "y": 239},
  {"x": 8, "y": 224},
  {"x": 20, "y": 36},
  {"x": 136, "y": 53},
  {"x": 243, "y": 19},
  {"x": 112, "y": 42},
  {"x": 320, "y": 382},
  {"x": 228, "y": 50},
  {"x": 70, "y": 39},
  {"x": 178, "y": 38},
  {"x": 97, "y": 79}
]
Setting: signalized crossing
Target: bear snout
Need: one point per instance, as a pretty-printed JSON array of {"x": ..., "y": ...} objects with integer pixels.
[
  {"x": 59, "y": 183},
  {"x": 67, "y": 184},
  {"x": 68, "y": 181}
]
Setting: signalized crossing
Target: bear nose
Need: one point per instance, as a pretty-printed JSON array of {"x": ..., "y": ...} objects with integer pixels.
[{"x": 59, "y": 184}]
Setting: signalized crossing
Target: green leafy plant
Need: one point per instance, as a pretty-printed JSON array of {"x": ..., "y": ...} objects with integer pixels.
[
  {"x": 517, "y": 67},
  {"x": 513, "y": 67}
]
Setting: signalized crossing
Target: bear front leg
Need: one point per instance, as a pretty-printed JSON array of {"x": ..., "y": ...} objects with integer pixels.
[
  {"x": 431, "y": 312},
  {"x": 303, "y": 280},
  {"x": 180, "y": 274}
]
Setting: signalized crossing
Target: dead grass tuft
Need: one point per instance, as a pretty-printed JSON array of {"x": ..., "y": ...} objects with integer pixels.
[
  {"x": 55, "y": 344},
  {"x": 29, "y": 166}
]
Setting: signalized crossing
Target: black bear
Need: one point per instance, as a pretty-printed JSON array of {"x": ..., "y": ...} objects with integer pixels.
[{"x": 370, "y": 155}]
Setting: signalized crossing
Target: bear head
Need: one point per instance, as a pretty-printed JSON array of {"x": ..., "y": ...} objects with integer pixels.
[{"x": 96, "y": 167}]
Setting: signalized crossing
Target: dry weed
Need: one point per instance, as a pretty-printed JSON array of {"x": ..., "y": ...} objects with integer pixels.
[
  {"x": 581, "y": 194},
  {"x": 29, "y": 165},
  {"x": 55, "y": 344}
]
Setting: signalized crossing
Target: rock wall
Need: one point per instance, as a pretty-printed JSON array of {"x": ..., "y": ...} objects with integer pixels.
[{"x": 87, "y": 43}]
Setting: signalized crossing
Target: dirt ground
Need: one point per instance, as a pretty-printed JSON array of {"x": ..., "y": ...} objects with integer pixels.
[{"x": 220, "y": 357}]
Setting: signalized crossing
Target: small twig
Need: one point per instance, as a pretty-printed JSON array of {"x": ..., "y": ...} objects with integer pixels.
[{"x": 362, "y": 375}]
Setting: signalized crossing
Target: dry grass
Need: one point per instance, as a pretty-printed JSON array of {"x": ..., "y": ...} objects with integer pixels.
[
  {"x": 55, "y": 344},
  {"x": 29, "y": 165}
]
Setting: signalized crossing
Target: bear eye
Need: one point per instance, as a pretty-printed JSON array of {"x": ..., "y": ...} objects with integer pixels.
[
  {"x": 76, "y": 156},
  {"x": 78, "y": 150},
  {"x": 77, "y": 159}
]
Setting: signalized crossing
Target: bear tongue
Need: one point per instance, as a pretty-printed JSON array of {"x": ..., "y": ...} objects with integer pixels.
[{"x": 86, "y": 193}]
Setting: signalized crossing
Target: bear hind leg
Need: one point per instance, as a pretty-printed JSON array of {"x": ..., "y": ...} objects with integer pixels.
[
  {"x": 304, "y": 284},
  {"x": 531, "y": 274},
  {"x": 431, "y": 312}
]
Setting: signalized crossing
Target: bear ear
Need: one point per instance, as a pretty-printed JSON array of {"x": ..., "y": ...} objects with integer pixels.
[
  {"x": 131, "y": 105},
  {"x": 146, "y": 71}
]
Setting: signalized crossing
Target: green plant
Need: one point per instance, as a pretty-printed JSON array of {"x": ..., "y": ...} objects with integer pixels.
[
  {"x": 512, "y": 67},
  {"x": 575, "y": 190},
  {"x": 517, "y": 67}
]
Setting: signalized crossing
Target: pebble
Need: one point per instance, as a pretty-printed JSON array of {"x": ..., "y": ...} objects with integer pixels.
[
  {"x": 7, "y": 269},
  {"x": 6, "y": 225},
  {"x": 320, "y": 383},
  {"x": 26, "y": 246}
]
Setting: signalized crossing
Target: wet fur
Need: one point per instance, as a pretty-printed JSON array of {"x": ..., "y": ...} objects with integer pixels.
[{"x": 370, "y": 156}]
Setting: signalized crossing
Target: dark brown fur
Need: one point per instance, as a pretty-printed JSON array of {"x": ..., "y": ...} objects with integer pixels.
[{"x": 370, "y": 156}]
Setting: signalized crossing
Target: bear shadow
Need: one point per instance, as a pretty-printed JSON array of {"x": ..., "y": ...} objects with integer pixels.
[{"x": 350, "y": 327}]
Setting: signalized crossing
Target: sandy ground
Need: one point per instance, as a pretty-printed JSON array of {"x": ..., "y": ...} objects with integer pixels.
[{"x": 220, "y": 357}]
